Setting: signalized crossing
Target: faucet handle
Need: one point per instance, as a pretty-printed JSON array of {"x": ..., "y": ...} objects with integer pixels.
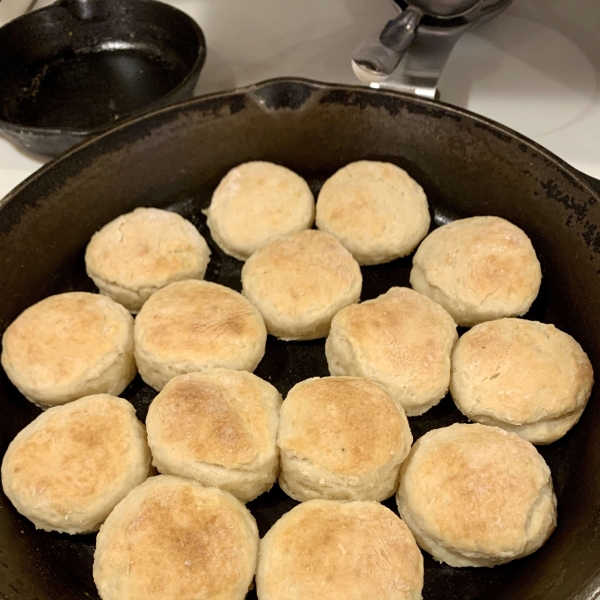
[{"x": 378, "y": 56}]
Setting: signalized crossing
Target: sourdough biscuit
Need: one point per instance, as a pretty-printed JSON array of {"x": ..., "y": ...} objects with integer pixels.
[
  {"x": 173, "y": 538},
  {"x": 218, "y": 427},
  {"x": 69, "y": 346},
  {"x": 141, "y": 252},
  {"x": 401, "y": 340},
  {"x": 341, "y": 438},
  {"x": 476, "y": 496},
  {"x": 339, "y": 551},
  {"x": 375, "y": 209},
  {"x": 194, "y": 325},
  {"x": 72, "y": 465},
  {"x": 255, "y": 203},
  {"x": 299, "y": 282},
  {"x": 478, "y": 269},
  {"x": 523, "y": 376}
]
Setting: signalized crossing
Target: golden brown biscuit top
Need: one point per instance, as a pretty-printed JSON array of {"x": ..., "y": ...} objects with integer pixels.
[
  {"x": 175, "y": 539},
  {"x": 480, "y": 259},
  {"x": 74, "y": 455},
  {"x": 195, "y": 319},
  {"x": 256, "y": 200},
  {"x": 473, "y": 487},
  {"x": 145, "y": 248},
  {"x": 218, "y": 417},
  {"x": 401, "y": 331},
  {"x": 301, "y": 273},
  {"x": 63, "y": 337},
  {"x": 344, "y": 424},
  {"x": 370, "y": 200},
  {"x": 335, "y": 550},
  {"x": 520, "y": 371}
]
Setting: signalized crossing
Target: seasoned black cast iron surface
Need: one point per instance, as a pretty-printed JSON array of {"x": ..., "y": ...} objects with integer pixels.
[
  {"x": 79, "y": 65},
  {"x": 176, "y": 157}
]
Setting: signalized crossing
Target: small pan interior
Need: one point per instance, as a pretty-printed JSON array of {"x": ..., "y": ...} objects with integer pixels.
[
  {"x": 81, "y": 65},
  {"x": 174, "y": 160}
]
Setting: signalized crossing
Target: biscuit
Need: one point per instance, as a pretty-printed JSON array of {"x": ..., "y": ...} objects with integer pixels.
[
  {"x": 341, "y": 438},
  {"x": 72, "y": 465},
  {"x": 478, "y": 269},
  {"x": 69, "y": 346},
  {"x": 476, "y": 496},
  {"x": 256, "y": 203},
  {"x": 523, "y": 376},
  {"x": 337, "y": 551},
  {"x": 299, "y": 282},
  {"x": 194, "y": 325},
  {"x": 218, "y": 427},
  {"x": 173, "y": 538},
  {"x": 375, "y": 209},
  {"x": 401, "y": 340},
  {"x": 141, "y": 252}
]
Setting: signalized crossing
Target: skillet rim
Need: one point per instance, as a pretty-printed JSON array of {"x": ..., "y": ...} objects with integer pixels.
[{"x": 574, "y": 173}]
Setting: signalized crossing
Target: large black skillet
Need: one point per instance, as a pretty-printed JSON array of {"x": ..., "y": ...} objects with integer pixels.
[{"x": 175, "y": 157}]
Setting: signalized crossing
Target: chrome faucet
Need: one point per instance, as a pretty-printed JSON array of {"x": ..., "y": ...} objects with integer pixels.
[{"x": 423, "y": 34}]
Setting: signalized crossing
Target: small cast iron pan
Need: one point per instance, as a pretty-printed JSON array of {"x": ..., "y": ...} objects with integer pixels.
[{"x": 72, "y": 69}]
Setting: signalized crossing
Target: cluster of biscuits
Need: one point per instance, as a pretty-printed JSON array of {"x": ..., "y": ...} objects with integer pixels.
[{"x": 469, "y": 494}]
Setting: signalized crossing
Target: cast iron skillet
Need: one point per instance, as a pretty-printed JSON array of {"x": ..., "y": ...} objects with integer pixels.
[
  {"x": 174, "y": 158},
  {"x": 74, "y": 68}
]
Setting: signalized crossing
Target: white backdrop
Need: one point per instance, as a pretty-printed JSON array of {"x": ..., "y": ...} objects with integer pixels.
[{"x": 535, "y": 68}]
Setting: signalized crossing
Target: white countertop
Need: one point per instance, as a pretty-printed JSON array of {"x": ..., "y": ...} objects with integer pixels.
[{"x": 534, "y": 68}]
